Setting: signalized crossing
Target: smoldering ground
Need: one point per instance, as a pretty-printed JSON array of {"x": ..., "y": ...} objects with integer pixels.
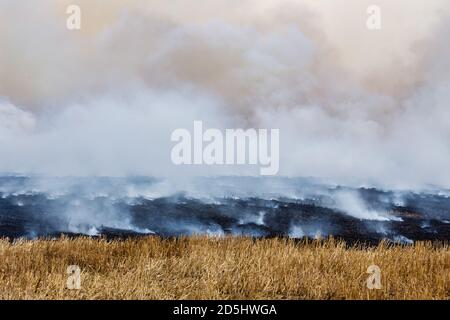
[
  {"x": 258, "y": 207},
  {"x": 362, "y": 108}
]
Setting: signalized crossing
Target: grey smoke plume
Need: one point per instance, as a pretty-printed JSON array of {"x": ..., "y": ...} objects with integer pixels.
[{"x": 351, "y": 104}]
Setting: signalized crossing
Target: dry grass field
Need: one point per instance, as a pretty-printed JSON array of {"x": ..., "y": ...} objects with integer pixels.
[{"x": 220, "y": 268}]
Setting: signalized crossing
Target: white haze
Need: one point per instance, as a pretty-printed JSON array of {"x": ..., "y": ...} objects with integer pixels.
[{"x": 351, "y": 104}]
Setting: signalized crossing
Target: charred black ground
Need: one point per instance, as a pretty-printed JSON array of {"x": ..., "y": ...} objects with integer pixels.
[{"x": 35, "y": 207}]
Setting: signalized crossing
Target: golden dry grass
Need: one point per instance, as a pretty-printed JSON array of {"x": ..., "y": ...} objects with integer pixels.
[{"x": 220, "y": 268}]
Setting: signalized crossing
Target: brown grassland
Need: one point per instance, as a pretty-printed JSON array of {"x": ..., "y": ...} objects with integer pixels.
[{"x": 220, "y": 268}]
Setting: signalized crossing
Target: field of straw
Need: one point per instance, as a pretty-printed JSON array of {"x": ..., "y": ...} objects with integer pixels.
[{"x": 220, "y": 268}]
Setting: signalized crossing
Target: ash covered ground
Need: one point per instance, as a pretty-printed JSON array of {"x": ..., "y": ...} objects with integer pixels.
[{"x": 34, "y": 207}]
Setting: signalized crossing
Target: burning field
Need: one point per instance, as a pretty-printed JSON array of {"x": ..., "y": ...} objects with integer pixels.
[
  {"x": 225, "y": 149},
  {"x": 221, "y": 268},
  {"x": 33, "y": 207},
  {"x": 220, "y": 238}
]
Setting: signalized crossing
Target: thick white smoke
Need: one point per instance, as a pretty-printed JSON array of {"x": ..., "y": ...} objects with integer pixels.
[{"x": 351, "y": 104}]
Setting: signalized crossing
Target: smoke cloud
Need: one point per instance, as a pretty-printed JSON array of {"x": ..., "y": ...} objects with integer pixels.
[{"x": 354, "y": 105}]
